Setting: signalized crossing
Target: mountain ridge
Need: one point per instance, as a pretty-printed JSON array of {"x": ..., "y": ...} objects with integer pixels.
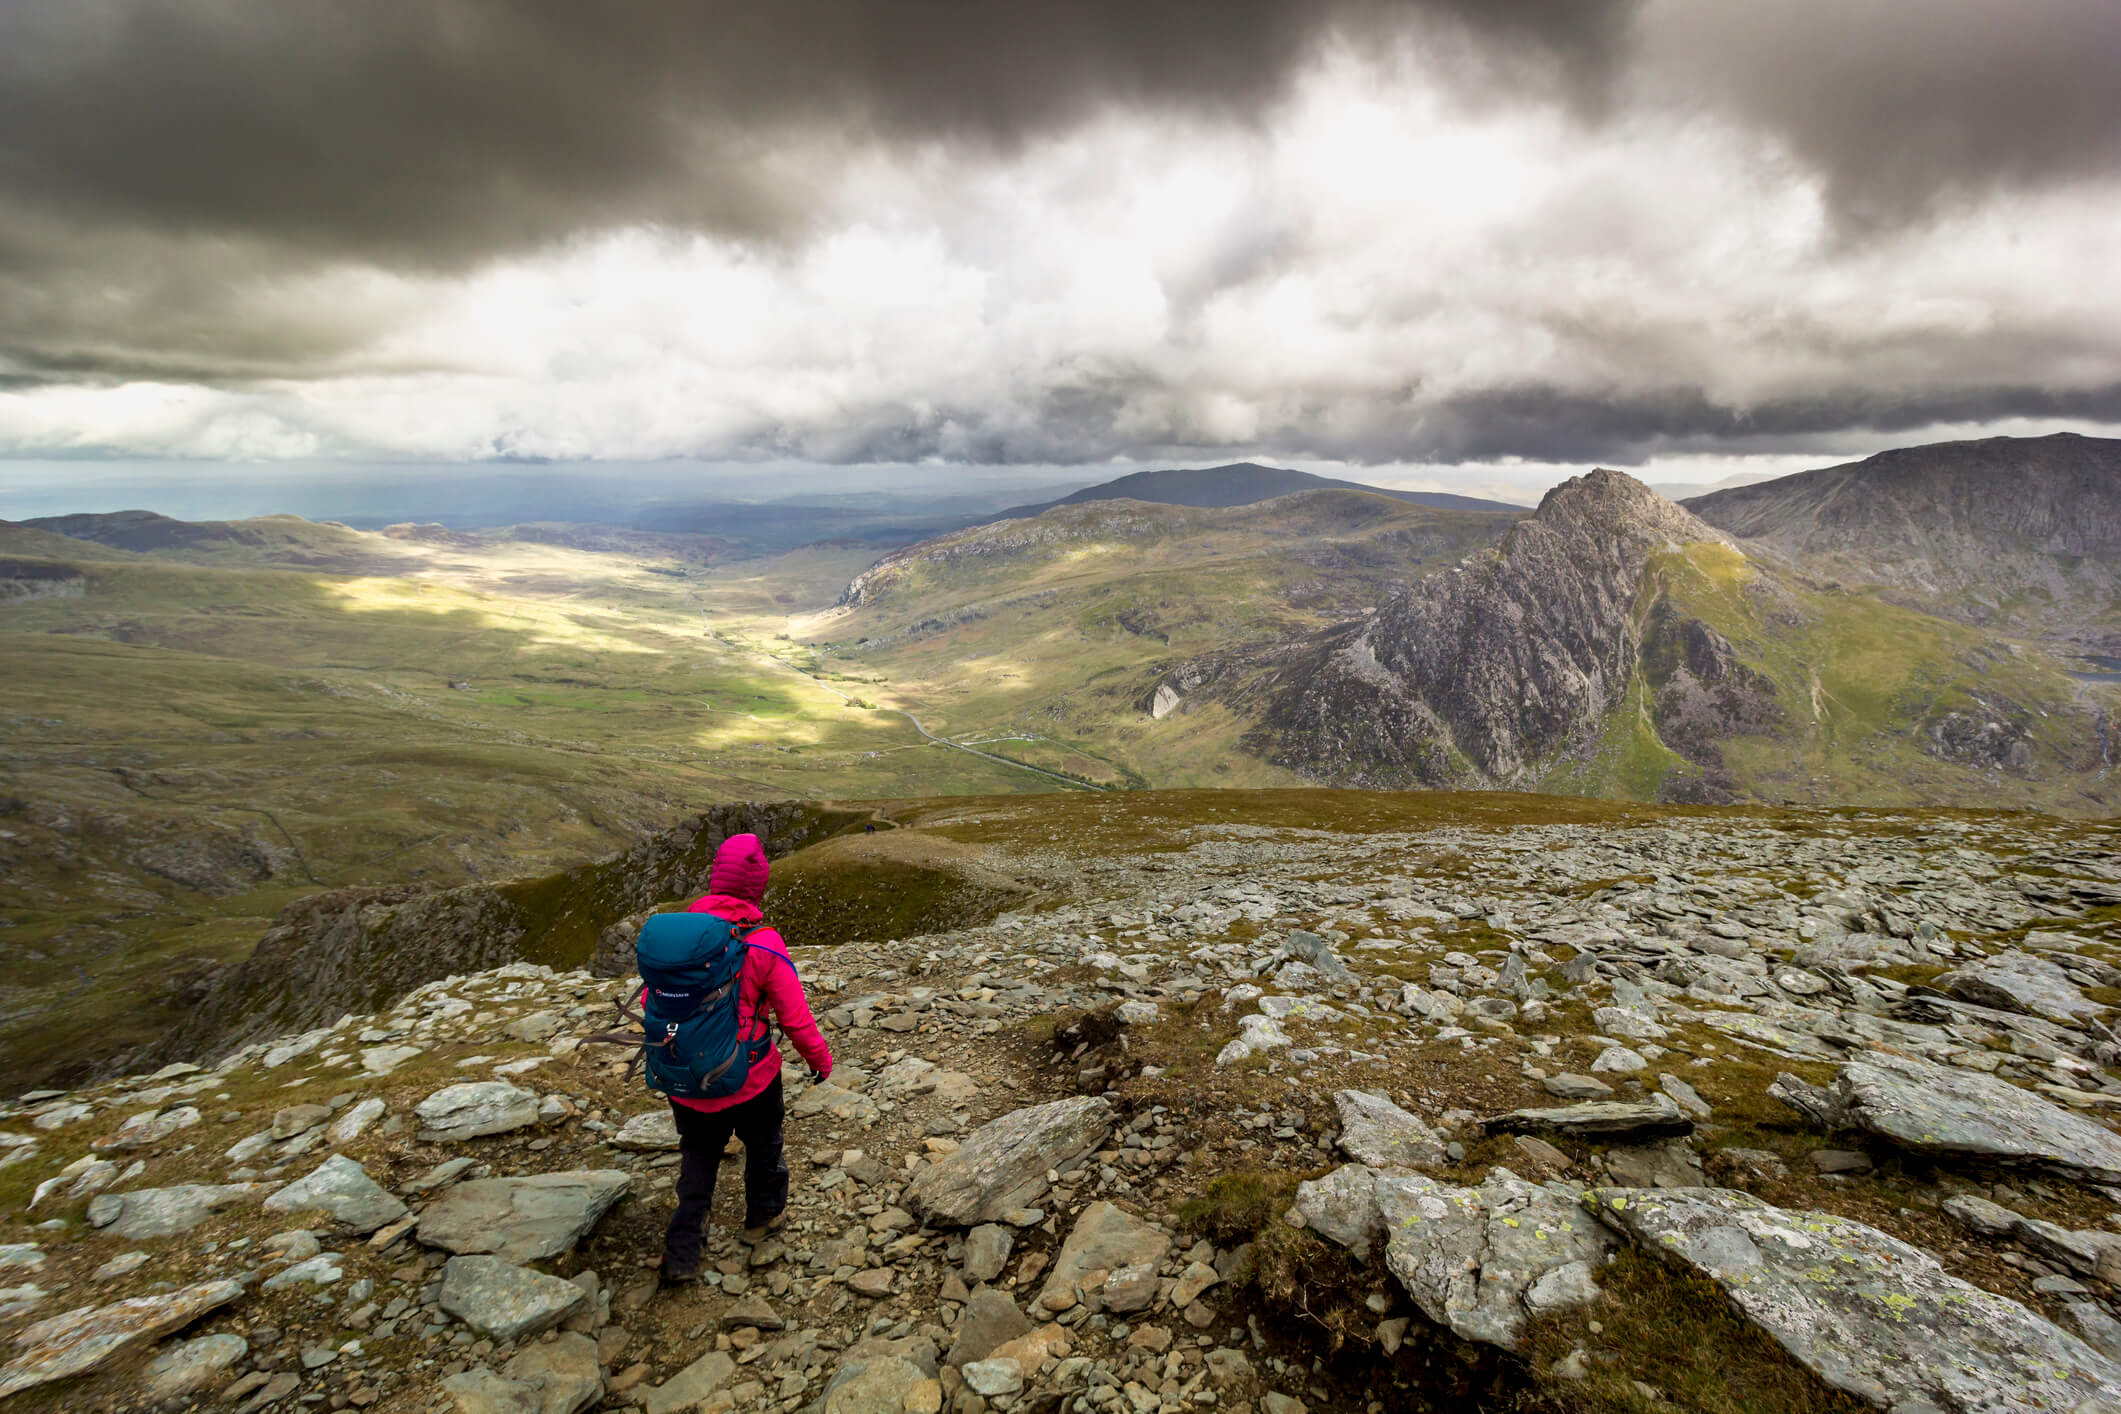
[
  {"x": 2020, "y": 534},
  {"x": 1241, "y": 484}
]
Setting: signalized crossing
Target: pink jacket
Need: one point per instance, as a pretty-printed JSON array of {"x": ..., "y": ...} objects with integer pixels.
[{"x": 769, "y": 978}]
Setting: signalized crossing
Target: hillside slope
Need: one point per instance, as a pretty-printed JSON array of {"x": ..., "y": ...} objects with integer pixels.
[
  {"x": 1616, "y": 644},
  {"x": 1041, "y": 637},
  {"x": 1242, "y": 484},
  {"x": 2014, "y": 533}
]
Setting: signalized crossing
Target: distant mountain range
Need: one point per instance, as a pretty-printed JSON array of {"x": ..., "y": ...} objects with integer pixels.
[
  {"x": 2021, "y": 534},
  {"x": 1936, "y": 624},
  {"x": 1243, "y": 484}
]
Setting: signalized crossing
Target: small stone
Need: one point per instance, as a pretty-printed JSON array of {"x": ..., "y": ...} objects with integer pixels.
[{"x": 994, "y": 1377}]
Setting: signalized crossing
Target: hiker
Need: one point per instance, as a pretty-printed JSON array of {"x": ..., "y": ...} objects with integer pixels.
[{"x": 766, "y": 985}]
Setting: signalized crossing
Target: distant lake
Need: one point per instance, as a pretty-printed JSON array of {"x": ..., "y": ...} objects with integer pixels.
[{"x": 2097, "y": 669}]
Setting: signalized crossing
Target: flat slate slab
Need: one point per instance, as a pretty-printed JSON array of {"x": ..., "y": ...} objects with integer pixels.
[
  {"x": 2021, "y": 982},
  {"x": 475, "y": 1109},
  {"x": 165, "y": 1212},
  {"x": 1862, "y": 1310},
  {"x": 1948, "y": 1112},
  {"x": 1658, "y": 1117},
  {"x": 521, "y": 1219},
  {"x": 1373, "y": 1130},
  {"x": 1003, "y": 1164},
  {"x": 78, "y": 1341},
  {"x": 497, "y": 1298},
  {"x": 651, "y": 1131},
  {"x": 341, "y": 1189}
]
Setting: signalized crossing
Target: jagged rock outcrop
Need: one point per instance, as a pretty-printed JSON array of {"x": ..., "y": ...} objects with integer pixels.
[{"x": 1484, "y": 674}]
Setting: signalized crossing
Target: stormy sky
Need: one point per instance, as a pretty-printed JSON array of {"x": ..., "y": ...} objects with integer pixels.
[{"x": 1413, "y": 235}]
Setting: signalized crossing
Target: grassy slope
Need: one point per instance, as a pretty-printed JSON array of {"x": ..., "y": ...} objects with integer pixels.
[
  {"x": 1059, "y": 641},
  {"x": 1858, "y": 679},
  {"x": 313, "y": 718}
]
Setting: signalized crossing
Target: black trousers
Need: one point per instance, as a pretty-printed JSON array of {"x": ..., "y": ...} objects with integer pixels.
[{"x": 702, "y": 1135}]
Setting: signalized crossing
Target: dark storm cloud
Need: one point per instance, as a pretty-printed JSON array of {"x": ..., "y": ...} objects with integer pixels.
[
  {"x": 445, "y": 131},
  {"x": 1905, "y": 105},
  {"x": 1113, "y": 416},
  {"x": 249, "y": 139}
]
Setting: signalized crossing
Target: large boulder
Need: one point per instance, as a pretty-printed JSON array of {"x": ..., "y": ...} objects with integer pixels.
[
  {"x": 475, "y": 1109},
  {"x": 342, "y": 1190},
  {"x": 1862, "y": 1310},
  {"x": 2021, "y": 982},
  {"x": 1004, "y": 1163},
  {"x": 499, "y": 1299},
  {"x": 1951, "y": 1113},
  {"x": 1104, "y": 1239},
  {"x": 78, "y": 1341},
  {"x": 521, "y": 1219},
  {"x": 1484, "y": 1260},
  {"x": 166, "y": 1212},
  {"x": 1373, "y": 1130}
]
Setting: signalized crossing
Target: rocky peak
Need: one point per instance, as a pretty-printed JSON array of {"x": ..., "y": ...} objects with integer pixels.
[
  {"x": 1613, "y": 504},
  {"x": 1488, "y": 673}
]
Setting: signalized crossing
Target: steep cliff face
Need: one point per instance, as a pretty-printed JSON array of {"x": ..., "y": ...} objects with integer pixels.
[
  {"x": 2015, "y": 533},
  {"x": 1483, "y": 674},
  {"x": 356, "y": 949}
]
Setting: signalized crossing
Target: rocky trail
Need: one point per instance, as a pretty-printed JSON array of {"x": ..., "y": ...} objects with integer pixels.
[{"x": 1718, "y": 1110}]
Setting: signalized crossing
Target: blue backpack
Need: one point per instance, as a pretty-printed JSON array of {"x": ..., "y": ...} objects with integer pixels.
[{"x": 694, "y": 1047}]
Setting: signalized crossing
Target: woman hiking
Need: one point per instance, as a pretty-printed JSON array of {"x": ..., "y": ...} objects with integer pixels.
[{"x": 767, "y": 985}]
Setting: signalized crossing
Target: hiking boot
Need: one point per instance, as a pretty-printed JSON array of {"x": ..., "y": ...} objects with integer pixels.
[
  {"x": 668, "y": 1275},
  {"x": 758, "y": 1231}
]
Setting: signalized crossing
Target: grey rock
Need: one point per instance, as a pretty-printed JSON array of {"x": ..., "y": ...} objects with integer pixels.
[
  {"x": 1575, "y": 1087},
  {"x": 1472, "y": 1257},
  {"x": 1004, "y": 1163},
  {"x": 533, "y": 1028},
  {"x": 1669, "y": 1164},
  {"x": 84, "y": 1339},
  {"x": 1654, "y": 1118},
  {"x": 1862, "y": 1310},
  {"x": 652, "y": 1131},
  {"x": 521, "y": 1219},
  {"x": 1104, "y": 1238},
  {"x": 481, "y": 1391},
  {"x": 877, "y": 1384},
  {"x": 2094, "y": 1327},
  {"x": 994, "y": 1377},
  {"x": 991, "y": 1320},
  {"x": 1684, "y": 1095},
  {"x": 1375, "y": 1131},
  {"x": 564, "y": 1372},
  {"x": 987, "y": 1249},
  {"x": 690, "y": 1385},
  {"x": 502, "y": 1300},
  {"x": 165, "y": 1212},
  {"x": 1312, "y": 949},
  {"x": 191, "y": 1365},
  {"x": 320, "y": 1270},
  {"x": 341, "y": 1189},
  {"x": 356, "y": 1121},
  {"x": 1952, "y": 1113},
  {"x": 474, "y": 1109},
  {"x": 295, "y": 1119},
  {"x": 1342, "y": 1207},
  {"x": 2020, "y": 982}
]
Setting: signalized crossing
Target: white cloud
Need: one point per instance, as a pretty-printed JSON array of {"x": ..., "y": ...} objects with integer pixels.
[{"x": 1340, "y": 282}]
